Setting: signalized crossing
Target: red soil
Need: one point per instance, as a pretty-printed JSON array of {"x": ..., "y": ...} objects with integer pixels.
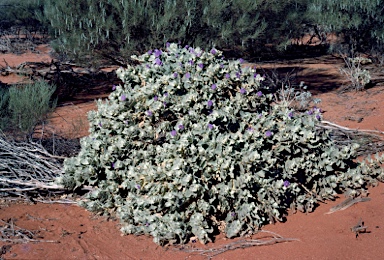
[{"x": 80, "y": 235}]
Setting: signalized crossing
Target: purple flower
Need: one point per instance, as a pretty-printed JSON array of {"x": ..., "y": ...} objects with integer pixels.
[
  {"x": 241, "y": 60},
  {"x": 259, "y": 93},
  {"x": 138, "y": 186},
  {"x": 233, "y": 214},
  {"x": 100, "y": 124},
  {"x": 290, "y": 114},
  {"x": 213, "y": 51},
  {"x": 227, "y": 76},
  {"x": 148, "y": 66},
  {"x": 113, "y": 165},
  {"x": 255, "y": 75},
  {"x": 318, "y": 117},
  {"x": 198, "y": 54},
  {"x": 310, "y": 112},
  {"x": 210, "y": 103},
  {"x": 243, "y": 91},
  {"x": 173, "y": 133},
  {"x": 187, "y": 75},
  {"x": 187, "y": 46},
  {"x": 158, "y": 62},
  {"x": 123, "y": 97},
  {"x": 166, "y": 94},
  {"x": 238, "y": 74},
  {"x": 191, "y": 62},
  {"x": 250, "y": 129},
  {"x": 210, "y": 126},
  {"x": 181, "y": 127},
  {"x": 286, "y": 183},
  {"x": 167, "y": 44},
  {"x": 113, "y": 87},
  {"x": 181, "y": 64},
  {"x": 158, "y": 53},
  {"x": 150, "y": 52},
  {"x": 147, "y": 224},
  {"x": 213, "y": 87},
  {"x": 221, "y": 66},
  {"x": 268, "y": 133},
  {"x": 201, "y": 65},
  {"x": 175, "y": 75},
  {"x": 149, "y": 113},
  {"x": 165, "y": 104},
  {"x": 155, "y": 98}
]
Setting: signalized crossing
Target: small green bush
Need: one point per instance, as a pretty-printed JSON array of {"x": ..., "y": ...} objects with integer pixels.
[
  {"x": 193, "y": 143},
  {"x": 4, "y": 112},
  {"x": 357, "y": 76},
  {"x": 29, "y": 104}
]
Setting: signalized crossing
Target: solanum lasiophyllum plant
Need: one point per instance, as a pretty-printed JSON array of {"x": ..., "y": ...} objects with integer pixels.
[{"x": 193, "y": 143}]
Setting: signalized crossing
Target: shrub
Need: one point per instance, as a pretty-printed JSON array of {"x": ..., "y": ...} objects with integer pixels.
[
  {"x": 356, "y": 75},
  {"x": 358, "y": 22},
  {"x": 29, "y": 104},
  {"x": 4, "y": 112},
  {"x": 192, "y": 144}
]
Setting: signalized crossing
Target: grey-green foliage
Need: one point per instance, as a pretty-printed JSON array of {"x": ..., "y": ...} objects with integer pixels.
[
  {"x": 192, "y": 141},
  {"x": 116, "y": 29},
  {"x": 4, "y": 112},
  {"x": 22, "y": 13},
  {"x": 359, "y": 21},
  {"x": 29, "y": 104},
  {"x": 121, "y": 27}
]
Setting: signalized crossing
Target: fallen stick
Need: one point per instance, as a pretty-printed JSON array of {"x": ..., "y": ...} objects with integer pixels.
[
  {"x": 350, "y": 129},
  {"x": 347, "y": 203},
  {"x": 239, "y": 244}
]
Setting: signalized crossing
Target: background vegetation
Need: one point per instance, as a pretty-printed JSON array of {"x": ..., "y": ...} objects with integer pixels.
[
  {"x": 116, "y": 29},
  {"x": 24, "y": 107}
]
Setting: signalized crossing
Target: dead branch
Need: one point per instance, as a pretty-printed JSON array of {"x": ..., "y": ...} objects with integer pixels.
[
  {"x": 359, "y": 228},
  {"x": 271, "y": 239},
  {"x": 370, "y": 141},
  {"x": 27, "y": 167},
  {"x": 336, "y": 126},
  {"x": 347, "y": 203},
  {"x": 10, "y": 232}
]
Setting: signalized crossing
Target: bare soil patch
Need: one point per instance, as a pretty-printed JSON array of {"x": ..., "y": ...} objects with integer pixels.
[{"x": 75, "y": 233}]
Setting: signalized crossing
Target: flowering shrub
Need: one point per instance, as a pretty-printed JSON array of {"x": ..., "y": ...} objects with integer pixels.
[{"x": 193, "y": 144}]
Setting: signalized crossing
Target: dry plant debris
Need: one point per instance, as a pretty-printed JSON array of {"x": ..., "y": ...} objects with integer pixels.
[
  {"x": 270, "y": 239},
  {"x": 26, "y": 167},
  {"x": 347, "y": 203},
  {"x": 370, "y": 141},
  {"x": 359, "y": 228},
  {"x": 10, "y": 232}
]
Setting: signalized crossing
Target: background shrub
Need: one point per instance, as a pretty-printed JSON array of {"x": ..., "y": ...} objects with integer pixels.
[
  {"x": 4, "y": 112},
  {"x": 21, "y": 13},
  {"x": 193, "y": 143},
  {"x": 28, "y": 106}
]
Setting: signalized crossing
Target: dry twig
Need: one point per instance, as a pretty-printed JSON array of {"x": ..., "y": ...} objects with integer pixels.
[
  {"x": 347, "y": 203},
  {"x": 26, "y": 167},
  {"x": 10, "y": 232},
  {"x": 359, "y": 228},
  {"x": 370, "y": 141},
  {"x": 271, "y": 239}
]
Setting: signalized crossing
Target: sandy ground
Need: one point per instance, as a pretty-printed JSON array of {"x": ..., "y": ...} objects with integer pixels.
[{"x": 74, "y": 233}]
